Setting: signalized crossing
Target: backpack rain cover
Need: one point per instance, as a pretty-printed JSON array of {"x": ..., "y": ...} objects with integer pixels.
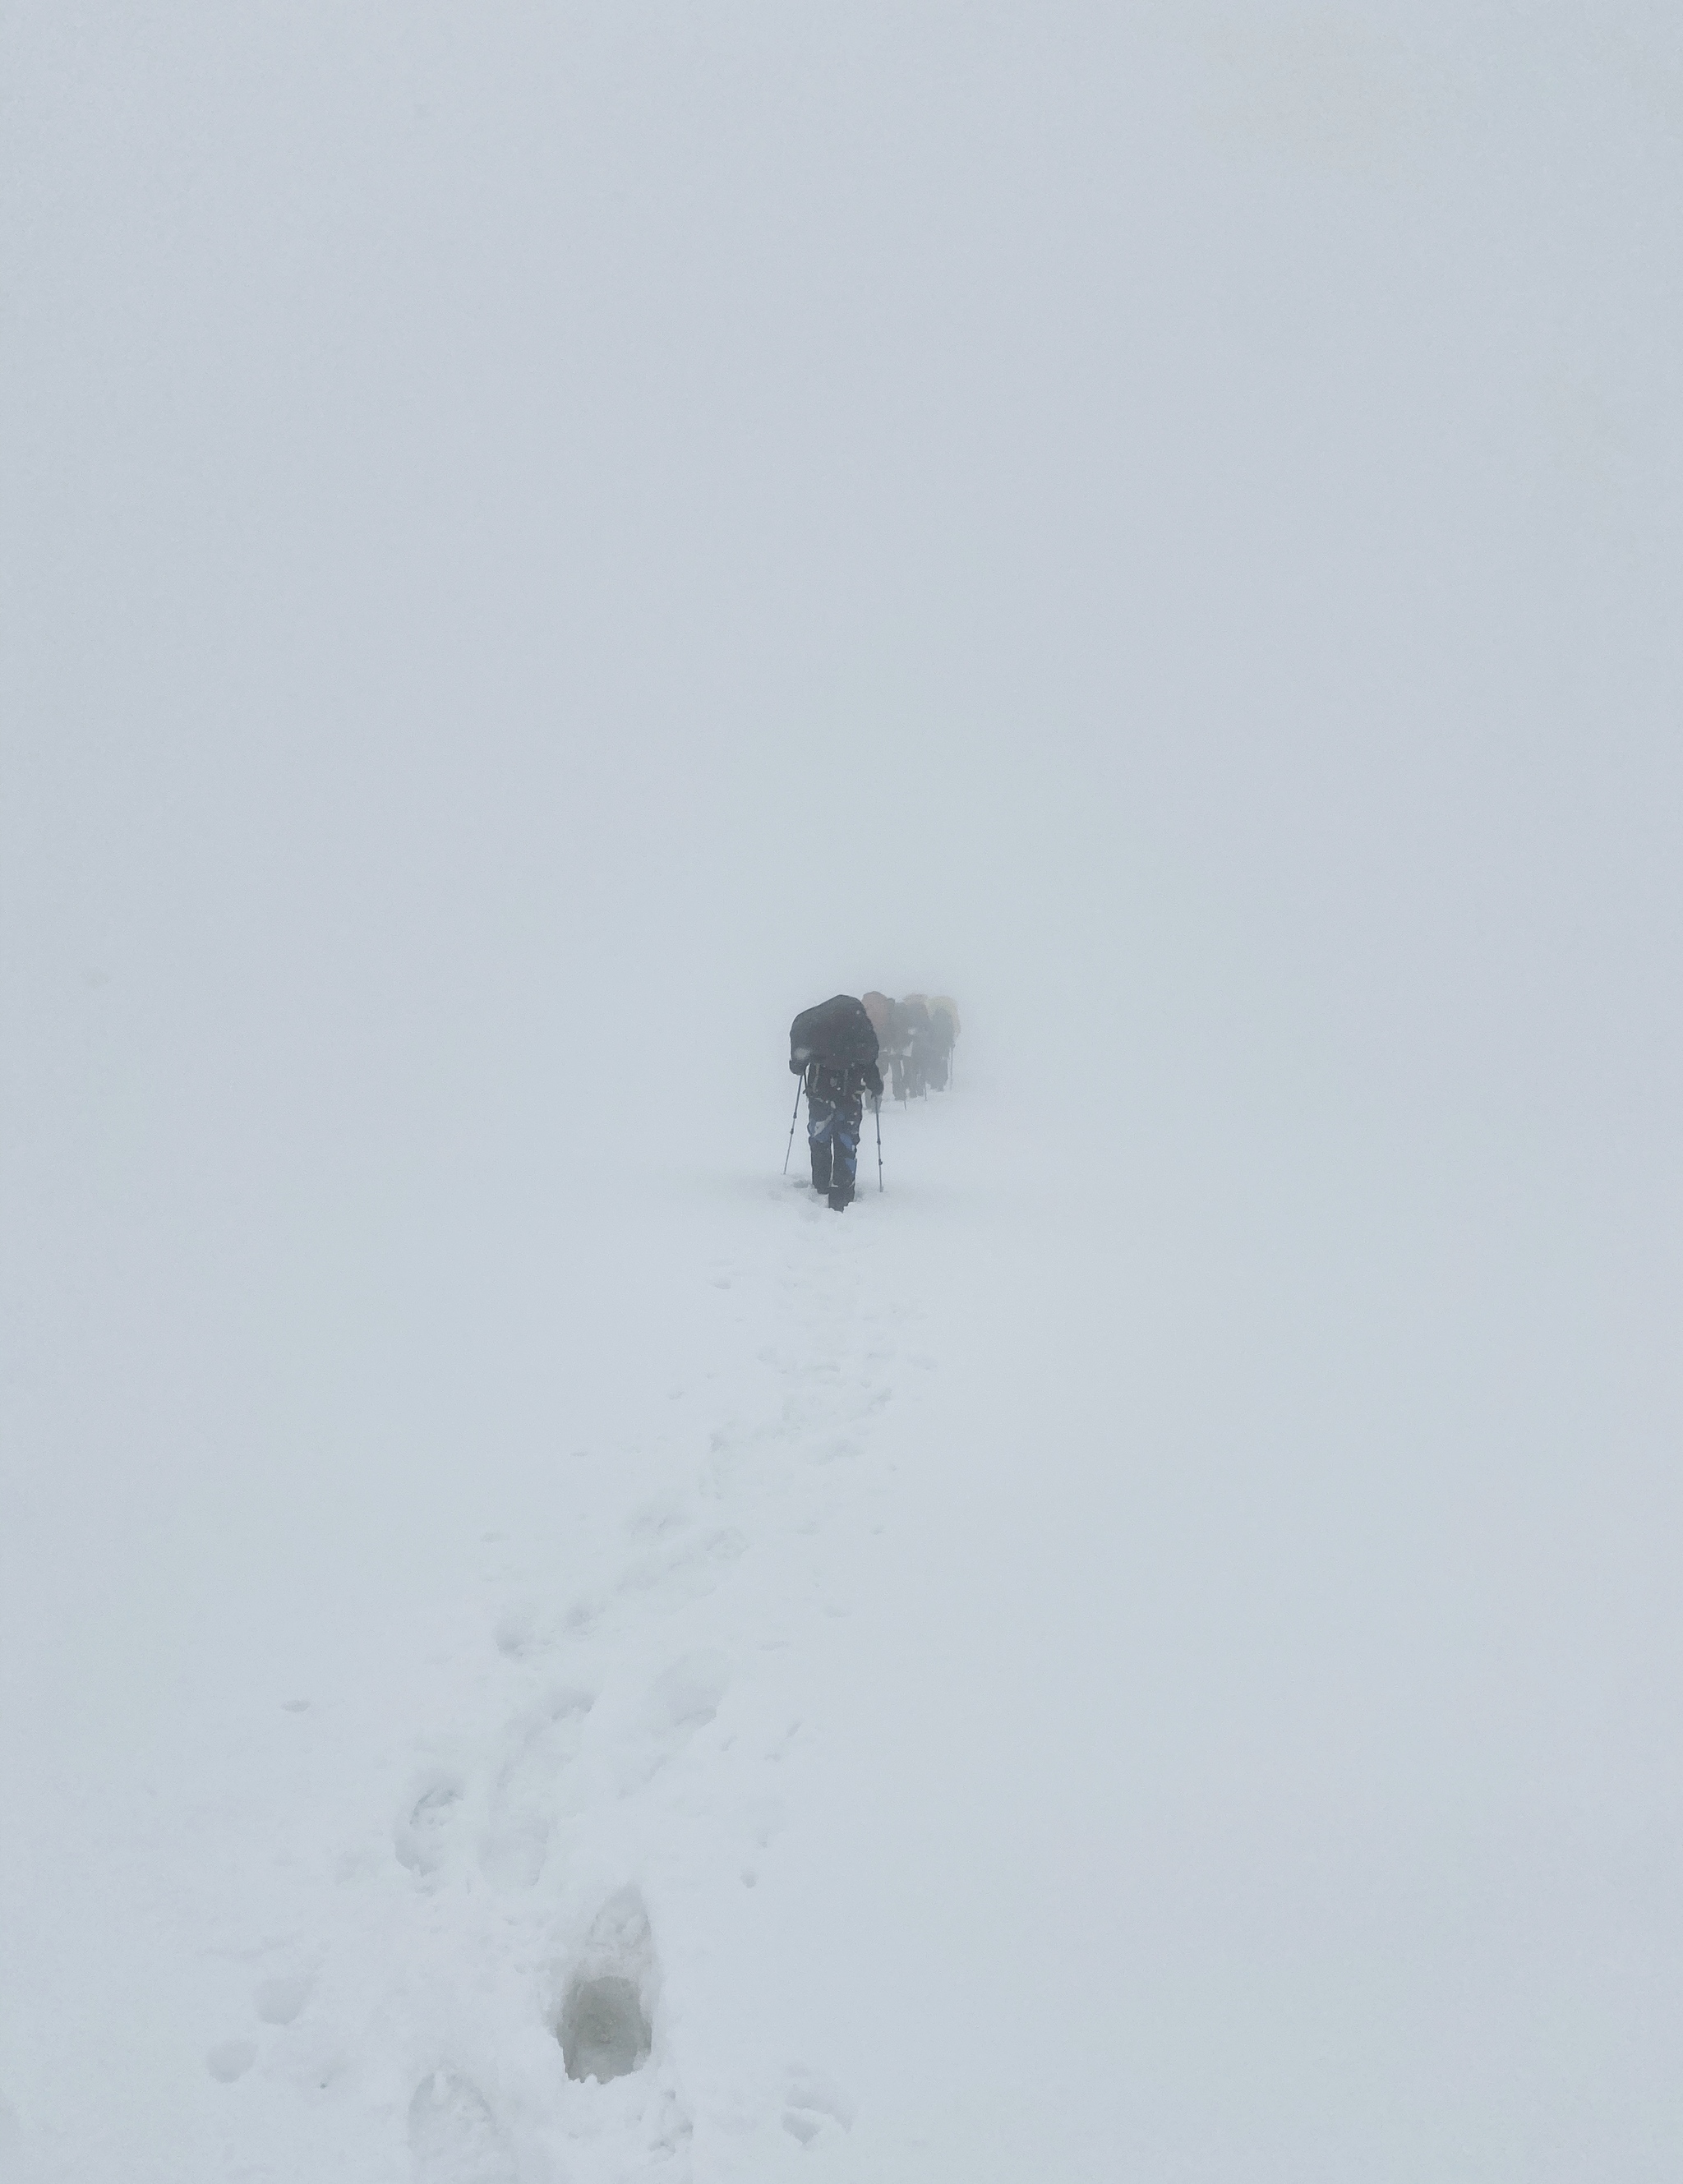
[{"x": 838, "y": 1032}]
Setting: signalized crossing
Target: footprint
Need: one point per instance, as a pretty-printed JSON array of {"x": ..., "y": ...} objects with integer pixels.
[
  {"x": 689, "y": 1694},
  {"x": 516, "y": 1632},
  {"x": 581, "y": 1618},
  {"x": 606, "y": 2021},
  {"x": 687, "y": 1569},
  {"x": 229, "y": 2059},
  {"x": 815, "y": 2107},
  {"x": 278, "y": 2000},
  {"x": 546, "y": 1740},
  {"x": 453, "y": 2138},
  {"x": 421, "y": 1838}
]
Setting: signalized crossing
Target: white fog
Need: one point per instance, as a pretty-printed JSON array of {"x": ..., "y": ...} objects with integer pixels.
[{"x": 539, "y": 542}]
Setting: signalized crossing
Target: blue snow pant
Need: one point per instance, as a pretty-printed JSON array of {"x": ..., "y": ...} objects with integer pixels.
[{"x": 832, "y": 1133}]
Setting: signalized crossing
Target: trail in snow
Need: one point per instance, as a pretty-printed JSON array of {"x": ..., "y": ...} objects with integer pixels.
[{"x": 548, "y": 1904}]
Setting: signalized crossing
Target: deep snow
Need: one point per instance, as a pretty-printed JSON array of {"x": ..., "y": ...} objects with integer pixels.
[{"x": 976, "y": 1727}]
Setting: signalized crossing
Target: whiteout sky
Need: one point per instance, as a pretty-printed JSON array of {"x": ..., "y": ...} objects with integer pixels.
[
  {"x": 538, "y": 541},
  {"x": 589, "y": 497}
]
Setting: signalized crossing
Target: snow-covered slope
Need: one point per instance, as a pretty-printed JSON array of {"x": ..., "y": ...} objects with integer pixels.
[
  {"x": 975, "y": 1722},
  {"x": 611, "y": 1707}
]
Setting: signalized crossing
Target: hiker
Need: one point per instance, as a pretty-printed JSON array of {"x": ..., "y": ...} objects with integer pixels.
[
  {"x": 918, "y": 1036},
  {"x": 898, "y": 1049},
  {"x": 891, "y": 1037},
  {"x": 944, "y": 1037},
  {"x": 833, "y": 1048}
]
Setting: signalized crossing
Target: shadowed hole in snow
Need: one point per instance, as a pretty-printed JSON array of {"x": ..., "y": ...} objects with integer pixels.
[{"x": 603, "y": 2031}]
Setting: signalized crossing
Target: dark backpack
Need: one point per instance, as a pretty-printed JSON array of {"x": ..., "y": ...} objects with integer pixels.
[{"x": 838, "y": 1034}]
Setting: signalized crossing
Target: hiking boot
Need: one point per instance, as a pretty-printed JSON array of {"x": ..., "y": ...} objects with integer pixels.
[{"x": 838, "y": 1200}]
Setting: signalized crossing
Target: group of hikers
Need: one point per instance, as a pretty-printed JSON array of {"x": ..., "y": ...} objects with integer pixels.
[
  {"x": 917, "y": 1035},
  {"x": 837, "y": 1048}
]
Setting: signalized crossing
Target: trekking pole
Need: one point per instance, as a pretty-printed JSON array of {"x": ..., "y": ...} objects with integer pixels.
[
  {"x": 876, "y": 1108},
  {"x": 800, "y": 1087}
]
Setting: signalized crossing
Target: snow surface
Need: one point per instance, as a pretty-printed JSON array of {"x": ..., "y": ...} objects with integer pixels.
[
  {"x": 539, "y": 542},
  {"x": 983, "y": 1723}
]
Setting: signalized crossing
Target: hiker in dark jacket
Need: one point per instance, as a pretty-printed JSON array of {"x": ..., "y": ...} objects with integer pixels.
[{"x": 834, "y": 1048}]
